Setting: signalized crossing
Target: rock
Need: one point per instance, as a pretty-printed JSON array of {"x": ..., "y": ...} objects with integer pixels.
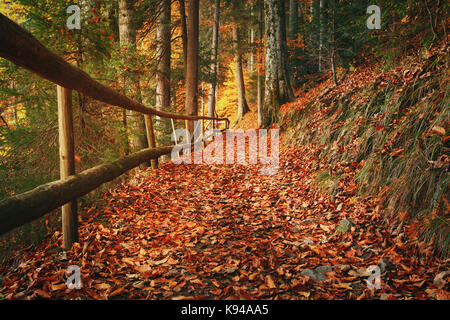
[
  {"x": 385, "y": 265},
  {"x": 344, "y": 226},
  {"x": 440, "y": 281},
  {"x": 318, "y": 274},
  {"x": 313, "y": 275}
]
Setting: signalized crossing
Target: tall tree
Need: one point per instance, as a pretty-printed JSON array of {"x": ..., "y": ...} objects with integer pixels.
[
  {"x": 163, "y": 39},
  {"x": 277, "y": 83},
  {"x": 333, "y": 42},
  {"x": 251, "y": 64},
  {"x": 284, "y": 76},
  {"x": 127, "y": 36},
  {"x": 191, "y": 106},
  {"x": 184, "y": 35},
  {"x": 242, "y": 100},
  {"x": 321, "y": 34},
  {"x": 293, "y": 19},
  {"x": 314, "y": 29},
  {"x": 215, "y": 63},
  {"x": 260, "y": 79}
]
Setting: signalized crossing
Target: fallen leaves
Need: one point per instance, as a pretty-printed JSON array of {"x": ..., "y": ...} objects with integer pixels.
[{"x": 228, "y": 232}]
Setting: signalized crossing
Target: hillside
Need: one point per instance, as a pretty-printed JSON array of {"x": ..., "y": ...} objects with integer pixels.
[{"x": 384, "y": 129}]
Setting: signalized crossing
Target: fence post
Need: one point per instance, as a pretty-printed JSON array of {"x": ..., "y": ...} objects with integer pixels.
[
  {"x": 151, "y": 137},
  {"x": 67, "y": 164}
]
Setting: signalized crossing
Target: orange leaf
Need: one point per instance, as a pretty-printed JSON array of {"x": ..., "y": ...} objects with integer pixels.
[{"x": 270, "y": 282}]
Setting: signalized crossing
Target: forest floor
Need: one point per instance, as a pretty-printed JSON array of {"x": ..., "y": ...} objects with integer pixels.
[{"x": 228, "y": 232}]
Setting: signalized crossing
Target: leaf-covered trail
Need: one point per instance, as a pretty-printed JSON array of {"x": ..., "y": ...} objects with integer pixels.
[{"x": 228, "y": 232}]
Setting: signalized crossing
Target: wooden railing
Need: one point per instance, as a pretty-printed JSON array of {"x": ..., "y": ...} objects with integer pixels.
[{"x": 20, "y": 47}]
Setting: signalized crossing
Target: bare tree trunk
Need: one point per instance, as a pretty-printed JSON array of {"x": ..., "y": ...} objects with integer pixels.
[
  {"x": 184, "y": 34},
  {"x": 260, "y": 86},
  {"x": 278, "y": 89},
  {"x": 293, "y": 19},
  {"x": 127, "y": 35},
  {"x": 242, "y": 100},
  {"x": 333, "y": 45},
  {"x": 191, "y": 105},
  {"x": 163, "y": 40},
  {"x": 215, "y": 63},
  {"x": 284, "y": 76},
  {"x": 315, "y": 5},
  {"x": 271, "y": 105},
  {"x": 251, "y": 65},
  {"x": 321, "y": 34}
]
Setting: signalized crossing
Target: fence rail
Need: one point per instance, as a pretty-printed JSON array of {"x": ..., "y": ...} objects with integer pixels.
[{"x": 20, "y": 47}]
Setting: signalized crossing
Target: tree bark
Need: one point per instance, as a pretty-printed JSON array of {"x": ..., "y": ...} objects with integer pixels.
[
  {"x": 260, "y": 84},
  {"x": 163, "y": 41},
  {"x": 315, "y": 26},
  {"x": 240, "y": 83},
  {"x": 278, "y": 89},
  {"x": 333, "y": 44},
  {"x": 284, "y": 76},
  {"x": 293, "y": 19},
  {"x": 127, "y": 35},
  {"x": 184, "y": 35},
  {"x": 321, "y": 34},
  {"x": 163, "y": 38},
  {"x": 271, "y": 105},
  {"x": 215, "y": 62},
  {"x": 191, "y": 106}
]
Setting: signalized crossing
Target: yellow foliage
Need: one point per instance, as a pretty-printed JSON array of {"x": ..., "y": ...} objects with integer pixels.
[
  {"x": 227, "y": 101},
  {"x": 12, "y": 10}
]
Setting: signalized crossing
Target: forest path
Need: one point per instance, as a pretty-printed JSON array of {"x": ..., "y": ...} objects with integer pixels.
[{"x": 225, "y": 232}]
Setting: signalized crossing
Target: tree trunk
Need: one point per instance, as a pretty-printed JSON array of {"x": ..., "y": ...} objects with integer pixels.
[
  {"x": 284, "y": 76},
  {"x": 315, "y": 26},
  {"x": 293, "y": 19},
  {"x": 251, "y": 65},
  {"x": 260, "y": 85},
  {"x": 163, "y": 40},
  {"x": 333, "y": 44},
  {"x": 242, "y": 100},
  {"x": 215, "y": 63},
  {"x": 127, "y": 35},
  {"x": 184, "y": 35},
  {"x": 321, "y": 34},
  {"x": 191, "y": 106},
  {"x": 271, "y": 105},
  {"x": 278, "y": 89}
]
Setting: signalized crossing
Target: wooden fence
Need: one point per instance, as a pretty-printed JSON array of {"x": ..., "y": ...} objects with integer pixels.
[{"x": 20, "y": 47}]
